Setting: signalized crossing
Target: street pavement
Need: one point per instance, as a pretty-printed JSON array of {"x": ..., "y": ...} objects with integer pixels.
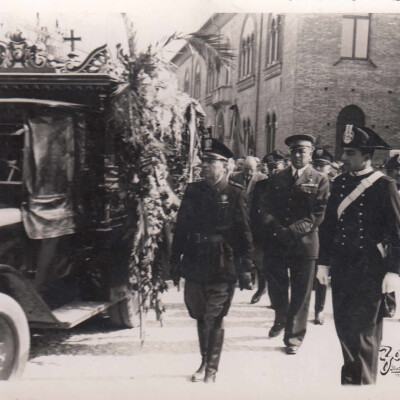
[{"x": 92, "y": 361}]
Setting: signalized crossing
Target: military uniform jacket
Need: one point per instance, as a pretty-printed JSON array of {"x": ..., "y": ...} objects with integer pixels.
[
  {"x": 372, "y": 219},
  {"x": 212, "y": 225},
  {"x": 298, "y": 206}
]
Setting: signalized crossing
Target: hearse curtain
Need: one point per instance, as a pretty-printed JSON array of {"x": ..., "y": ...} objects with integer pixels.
[{"x": 49, "y": 154}]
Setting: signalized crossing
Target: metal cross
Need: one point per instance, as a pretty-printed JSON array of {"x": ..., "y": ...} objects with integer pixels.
[{"x": 72, "y": 39}]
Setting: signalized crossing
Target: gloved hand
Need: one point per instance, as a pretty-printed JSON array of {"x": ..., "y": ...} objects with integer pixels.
[
  {"x": 323, "y": 274},
  {"x": 245, "y": 281},
  {"x": 390, "y": 282},
  {"x": 175, "y": 270}
]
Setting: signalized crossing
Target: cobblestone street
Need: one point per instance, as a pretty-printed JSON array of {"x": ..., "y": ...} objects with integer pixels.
[{"x": 93, "y": 362}]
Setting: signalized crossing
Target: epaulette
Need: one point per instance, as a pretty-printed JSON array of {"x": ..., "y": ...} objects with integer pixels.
[{"x": 238, "y": 185}]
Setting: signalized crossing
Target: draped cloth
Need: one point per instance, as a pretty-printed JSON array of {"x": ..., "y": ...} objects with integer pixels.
[{"x": 49, "y": 158}]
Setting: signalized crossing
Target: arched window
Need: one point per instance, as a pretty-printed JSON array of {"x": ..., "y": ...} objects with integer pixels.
[
  {"x": 273, "y": 132},
  {"x": 197, "y": 81},
  {"x": 251, "y": 143},
  {"x": 351, "y": 115},
  {"x": 186, "y": 85},
  {"x": 274, "y": 41},
  {"x": 220, "y": 127},
  {"x": 247, "y": 53}
]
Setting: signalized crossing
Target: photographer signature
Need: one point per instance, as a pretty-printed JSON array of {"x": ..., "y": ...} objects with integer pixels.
[{"x": 388, "y": 357}]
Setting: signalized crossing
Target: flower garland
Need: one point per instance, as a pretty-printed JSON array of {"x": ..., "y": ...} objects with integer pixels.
[{"x": 150, "y": 115}]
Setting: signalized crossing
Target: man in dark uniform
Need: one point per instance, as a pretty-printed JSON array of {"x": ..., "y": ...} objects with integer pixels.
[
  {"x": 212, "y": 226},
  {"x": 274, "y": 161},
  {"x": 322, "y": 162},
  {"x": 360, "y": 247},
  {"x": 393, "y": 169},
  {"x": 292, "y": 208}
]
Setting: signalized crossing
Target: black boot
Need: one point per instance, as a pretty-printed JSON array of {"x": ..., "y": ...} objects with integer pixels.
[
  {"x": 215, "y": 343},
  {"x": 203, "y": 341},
  {"x": 262, "y": 283}
]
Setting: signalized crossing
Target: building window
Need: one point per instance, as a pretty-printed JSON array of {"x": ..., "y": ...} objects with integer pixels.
[
  {"x": 248, "y": 136},
  {"x": 355, "y": 36},
  {"x": 274, "y": 41},
  {"x": 220, "y": 127},
  {"x": 186, "y": 85},
  {"x": 247, "y": 53},
  {"x": 197, "y": 81},
  {"x": 270, "y": 131}
]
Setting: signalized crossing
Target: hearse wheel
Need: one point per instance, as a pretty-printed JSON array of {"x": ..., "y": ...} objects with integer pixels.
[
  {"x": 14, "y": 338},
  {"x": 125, "y": 314}
]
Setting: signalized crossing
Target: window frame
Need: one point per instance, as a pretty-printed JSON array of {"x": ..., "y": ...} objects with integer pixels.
[{"x": 355, "y": 17}]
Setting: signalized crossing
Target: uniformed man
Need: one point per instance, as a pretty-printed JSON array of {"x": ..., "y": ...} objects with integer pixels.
[
  {"x": 393, "y": 169},
  {"x": 292, "y": 208},
  {"x": 322, "y": 162},
  {"x": 274, "y": 162},
  {"x": 212, "y": 225},
  {"x": 360, "y": 247}
]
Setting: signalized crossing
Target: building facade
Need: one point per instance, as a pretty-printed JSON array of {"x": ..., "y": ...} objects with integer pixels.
[{"x": 298, "y": 73}]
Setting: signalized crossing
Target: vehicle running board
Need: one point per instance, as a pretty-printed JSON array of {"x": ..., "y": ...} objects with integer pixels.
[{"x": 74, "y": 313}]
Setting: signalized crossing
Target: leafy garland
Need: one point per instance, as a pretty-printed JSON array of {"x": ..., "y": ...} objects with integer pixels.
[{"x": 150, "y": 116}]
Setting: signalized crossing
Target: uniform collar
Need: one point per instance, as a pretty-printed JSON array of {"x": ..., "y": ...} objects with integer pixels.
[
  {"x": 299, "y": 171},
  {"x": 221, "y": 184},
  {"x": 364, "y": 171}
]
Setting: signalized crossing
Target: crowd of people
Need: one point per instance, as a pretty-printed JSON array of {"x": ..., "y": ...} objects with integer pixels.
[{"x": 298, "y": 221}]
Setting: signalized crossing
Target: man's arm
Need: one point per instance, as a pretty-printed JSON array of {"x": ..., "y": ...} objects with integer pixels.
[{"x": 305, "y": 225}]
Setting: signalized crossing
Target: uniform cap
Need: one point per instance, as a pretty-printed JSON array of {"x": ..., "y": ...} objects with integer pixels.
[
  {"x": 393, "y": 162},
  {"x": 299, "y": 141},
  {"x": 363, "y": 138},
  {"x": 214, "y": 149},
  {"x": 273, "y": 157},
  {"x": 323, "y": 155}
]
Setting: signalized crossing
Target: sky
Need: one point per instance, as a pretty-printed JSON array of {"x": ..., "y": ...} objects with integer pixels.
[{"x": 99, "y": 21}]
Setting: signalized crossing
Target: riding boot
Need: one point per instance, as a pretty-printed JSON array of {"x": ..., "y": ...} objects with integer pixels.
[
  {"x": 215, "y": 343},
  {"x": 203, "y": 342}
]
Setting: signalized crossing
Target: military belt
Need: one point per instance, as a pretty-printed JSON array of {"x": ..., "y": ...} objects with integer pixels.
[{"x": 204, "y": 238}]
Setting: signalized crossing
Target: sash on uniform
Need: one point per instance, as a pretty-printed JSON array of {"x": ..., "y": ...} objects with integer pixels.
[{"x": 362, "y": 186}]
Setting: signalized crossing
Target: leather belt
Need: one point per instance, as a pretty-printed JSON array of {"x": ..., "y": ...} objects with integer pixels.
[{"x": 204, "y": 238}]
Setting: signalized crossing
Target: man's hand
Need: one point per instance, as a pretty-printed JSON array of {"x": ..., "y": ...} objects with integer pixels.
[
  {"x": 323, "y": 274},
  {"x": 390, "y": 282},
  {"x": 245, "y": 281}
]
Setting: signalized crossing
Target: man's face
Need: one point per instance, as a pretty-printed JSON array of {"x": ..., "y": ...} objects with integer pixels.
[
  {"x": 248, "y": 171},
  {"x": 395, "y": 174},
  {"x": 212, "y": 170},
  {"x": 300, "y": 157},
  {"x": 353, "y": 159},
  {"x": 322, "y": 167}
]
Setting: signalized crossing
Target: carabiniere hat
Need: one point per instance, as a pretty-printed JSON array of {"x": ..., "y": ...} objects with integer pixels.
[
  {"x": 394, "y": 162},
  {"x": 300, "y": 141},
  {"x": 363, "y": 138},
  {"x": 213, "y": 149},
  {"x": 322, "y": 155}
]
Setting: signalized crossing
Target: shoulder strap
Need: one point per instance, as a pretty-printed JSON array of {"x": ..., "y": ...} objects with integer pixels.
[{"x": 362, "y": 186}]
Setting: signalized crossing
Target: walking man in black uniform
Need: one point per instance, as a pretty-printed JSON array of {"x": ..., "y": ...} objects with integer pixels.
[
  {"x": 360, "y": 248},
  {"x": 212, "y": 226},
  {"x": 292, "y": 207}
]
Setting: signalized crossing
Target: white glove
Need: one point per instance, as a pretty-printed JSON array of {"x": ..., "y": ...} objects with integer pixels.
[
  {"x": 390, "y": 282},
  {"x": 323, "y": 274}
]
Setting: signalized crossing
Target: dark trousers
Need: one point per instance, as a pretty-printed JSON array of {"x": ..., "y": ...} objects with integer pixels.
[
  {"x": 320, "y": 296},
  {"x": 209, "y": 302},
  {"x": 293, "y": 313},
  {"x": 356, "y": 295}
]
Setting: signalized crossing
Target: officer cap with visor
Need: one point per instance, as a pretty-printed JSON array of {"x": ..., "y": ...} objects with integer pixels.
[
  {"x": 296, "y": 142},
  {"x": 213, "y": 149},
  {"x": 363, "y": 138},
  {"x": 322, "y": 156},
  {"x": 272, "y": 158}
]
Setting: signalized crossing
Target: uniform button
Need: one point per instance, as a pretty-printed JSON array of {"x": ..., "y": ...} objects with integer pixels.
[
  {"x": 343, "y": 186},
  {"x": 341, "y": 195},
  {"x": 361, "y": 229},
  {"x": 361, "y": 237},
  {"x": 363, "y": 194},
  {"x": 361, "y": 204},
  {"x": 360, "y": 213},
  {"x": 342, "y": 244},
  {"x": 361, "y": 247}
]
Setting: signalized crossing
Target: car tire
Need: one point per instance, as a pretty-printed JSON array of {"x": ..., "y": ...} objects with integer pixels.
[{"x": 14, "y": 338}]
